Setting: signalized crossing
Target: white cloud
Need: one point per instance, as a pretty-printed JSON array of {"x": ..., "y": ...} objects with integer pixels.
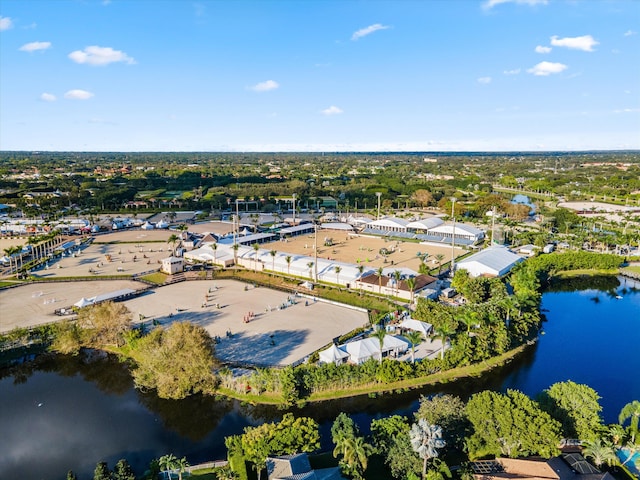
[
  {"x": 547, "y": 68},
  {"x": 78, "y": 95},
  {"x": 627, "y": 110},
  {"x": 48, "y": 97},
  {"x": 363, "y": 32},
  {"x": 35, "y": 46},
  {"x": 95, "y": 55},
  {"x": 484, "y": 80},
  {"x": 492, "y": 3},
  {"x": 5, "y": 23},
  {"x": 515, "y": 71},
  {"x": 332, "y": 110},
  {"x": 628, "y": 33},
  {"x": 265, "y": 86},
  {"x": 584, "y": 43},
  {"x": 542, "y": 49}
]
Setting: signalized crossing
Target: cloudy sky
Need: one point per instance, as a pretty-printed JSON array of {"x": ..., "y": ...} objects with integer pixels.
[{"x": 319, "y": 75}]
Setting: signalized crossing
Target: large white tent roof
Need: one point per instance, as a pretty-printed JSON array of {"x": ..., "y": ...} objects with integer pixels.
[
  {"x": 333, "y": 354},
  {"x": 390, "y": 222},
  {"x": 425, "y": 223}
]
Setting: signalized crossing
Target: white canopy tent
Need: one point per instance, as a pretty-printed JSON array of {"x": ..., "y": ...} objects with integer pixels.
[
  {"x": 333, "y": 354},
  {"x": 416, "y": 325}
]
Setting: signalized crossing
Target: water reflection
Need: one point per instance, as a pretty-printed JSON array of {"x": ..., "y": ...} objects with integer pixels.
[{"x": 60, "y": 413}]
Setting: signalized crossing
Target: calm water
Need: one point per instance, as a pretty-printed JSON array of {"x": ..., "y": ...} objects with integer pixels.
[{"x": 70, "y": 413}]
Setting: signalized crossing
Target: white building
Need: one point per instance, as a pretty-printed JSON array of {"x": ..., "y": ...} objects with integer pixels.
[{"x": 494, "y": 261}]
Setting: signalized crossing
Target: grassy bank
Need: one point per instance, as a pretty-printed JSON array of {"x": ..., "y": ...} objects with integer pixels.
[{"x": 446, "y": 376}]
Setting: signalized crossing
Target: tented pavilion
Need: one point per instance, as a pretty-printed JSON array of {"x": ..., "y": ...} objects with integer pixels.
[
  {"x": 494, "y": 261},
  {"x": 334, "y": 354}
]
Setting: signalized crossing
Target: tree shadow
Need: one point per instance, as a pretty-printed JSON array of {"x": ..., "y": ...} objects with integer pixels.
[{"x": 261, "y": 349}]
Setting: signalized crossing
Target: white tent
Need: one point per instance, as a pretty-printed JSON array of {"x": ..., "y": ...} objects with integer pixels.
[
  {"x": 147, "y": 226},
  {"x": 416, "y": 325},
  {"x": 162, "y": 224},
  {"x": 83, "y": 302},
  {"x": 333, "y": 354}
]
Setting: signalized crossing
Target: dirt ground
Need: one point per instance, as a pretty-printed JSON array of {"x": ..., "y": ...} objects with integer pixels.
[
  {"x": 283, "y": 328},
  {"x": 351, "y": 249}
]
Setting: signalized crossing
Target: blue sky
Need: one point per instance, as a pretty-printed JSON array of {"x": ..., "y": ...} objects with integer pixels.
[{"x": 326, "y": 75}]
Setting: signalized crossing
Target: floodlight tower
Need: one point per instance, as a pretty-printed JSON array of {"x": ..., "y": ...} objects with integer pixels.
[{"x": 378, "y": 194}]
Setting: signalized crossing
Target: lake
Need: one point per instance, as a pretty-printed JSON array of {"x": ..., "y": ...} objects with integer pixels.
[{"x": 69, "y": 413}]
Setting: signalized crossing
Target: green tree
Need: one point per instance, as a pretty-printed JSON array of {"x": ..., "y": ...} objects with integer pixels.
[
  {"x": 343, "y": 426},
  {"x": 599, "y": 452},
  {"x": 104, "y": 324},
  {"x": 288, "y": 260},
  {"x": 337, "y": 269},
  {"x": 102, "y": 472},
  {"x": 576, "y": 407},
  {"x": 67, "y": 339},
  {"x": 173, "y": 239},
  {"x": 289, "y": 436},
  {"x": 414, "y": 338},
  {"x": 255, "y": 247},
  {"x": 385, "y": 430},
  {"x": 355, "y": 452},
  {"x": 448, "y": 411},
  {"x": 411, "y": 285},
  {"x": 176, "y": 361},
  {"x": 631, "y": 411},
  {"x": 379, "y": 273},
  {"x": 439, "y": 258},
  {"x": 123, "y": 471},
  {"x": 380, "y": 333},
  {"x": 443, "y": 333},
  {"x": 510, "y": 424},
  {"x": 167, "y": 463},
  {"x": 273, "y": 254},
  {"x": 71, "y": 475}
]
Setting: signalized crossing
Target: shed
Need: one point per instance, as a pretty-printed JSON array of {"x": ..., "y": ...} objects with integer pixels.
[{"x": 172, "y": 265}]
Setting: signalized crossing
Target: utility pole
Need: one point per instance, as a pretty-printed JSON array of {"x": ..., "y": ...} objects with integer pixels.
[
  {"x": 378, "y": 194},
  {"x": 453, "y": 236}
]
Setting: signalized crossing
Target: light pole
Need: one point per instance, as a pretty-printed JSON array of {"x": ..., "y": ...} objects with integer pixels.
[
  {"x": 378, "y": 194},
  {"x": 294, "y": 208},
  {"x": 453, "y": 236},
  {"x": 315, "y": 251}
]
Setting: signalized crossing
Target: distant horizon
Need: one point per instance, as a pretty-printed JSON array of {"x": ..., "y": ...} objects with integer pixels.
[{"x": 407, "y": 152}]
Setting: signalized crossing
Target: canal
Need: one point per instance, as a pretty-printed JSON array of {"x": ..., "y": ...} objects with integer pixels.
[{"x": 69, "y": 413}]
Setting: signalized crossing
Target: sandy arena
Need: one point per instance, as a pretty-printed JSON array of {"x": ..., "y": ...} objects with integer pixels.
[{"x": 273, "y": 335}]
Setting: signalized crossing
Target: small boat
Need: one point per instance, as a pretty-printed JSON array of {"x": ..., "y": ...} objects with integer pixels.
[{"x": 618, "y": 297}]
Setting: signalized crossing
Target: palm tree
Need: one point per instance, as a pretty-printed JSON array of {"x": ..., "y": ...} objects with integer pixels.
[
  {"x": 600, "y": 452},
  {"x": 310, "y": 266},
  {"x": 355, "y": 455},
  {"x": 631, "y": 411},
  {"x": 181, "y": 464},
  {"x": 256, "y": 247},
  {"x": 288, "y": 260},
  {"x": 379, "y": 272},
  {"x": 411, "y": 285},
  {"x": 173, "y": 239},
  {"x": 443, "y": 333},
  {"x": 414, "y": 338},
  {"x": 469, "y": 318},
  {"x": 338, "y": 270},
  {"x": 397, "y": 275},
  {"x": 168, "y": 463},
  {"x": 380, "y": 333},
  {"x": 214, "y": 247},
  {"x": 426, "y": 439},
  {"x": 235, "y": 247},
  {"x": 360, "y": 271},
  {"x": 273, "y": 254},
  {"x": 440, "y": 257}
]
